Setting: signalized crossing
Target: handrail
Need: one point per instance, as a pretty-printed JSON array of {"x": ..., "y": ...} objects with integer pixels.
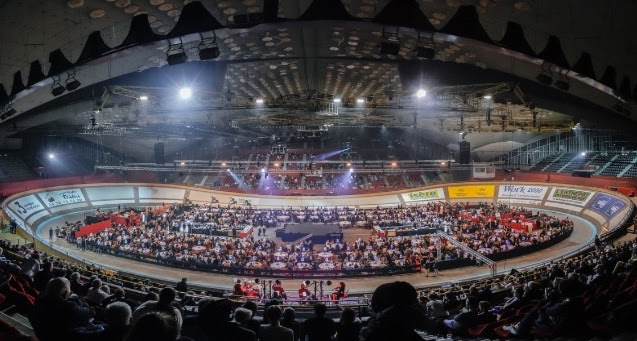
[{"x": 469, "y": 250}]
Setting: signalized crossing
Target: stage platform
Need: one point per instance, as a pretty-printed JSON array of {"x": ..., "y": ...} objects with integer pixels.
[{"x": 320, "y": 232}]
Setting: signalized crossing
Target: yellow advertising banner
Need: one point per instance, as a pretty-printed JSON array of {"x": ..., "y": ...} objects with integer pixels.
[{"x": 472, "y": 191}]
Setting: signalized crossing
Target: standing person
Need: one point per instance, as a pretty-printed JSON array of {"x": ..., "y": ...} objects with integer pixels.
[
  {"x": 274, "y": 331},
  {"x": 319, "y": 327},
  {"x": 50, "y": 233},
  {"x": 348, "y": 327}
]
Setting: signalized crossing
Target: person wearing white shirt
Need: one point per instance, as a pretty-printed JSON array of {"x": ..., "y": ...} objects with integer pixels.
[{"x": 31, "y": 266}]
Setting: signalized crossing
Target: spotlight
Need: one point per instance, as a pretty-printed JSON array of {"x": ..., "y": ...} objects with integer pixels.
[
  {"x": 143, "y": 98},
  {"x": 185, "y": 93},
  {"x": 228, "y": 170},
  {"x": 351, "y": 170},
  {"x": 487, "y": 97},
  {"x": 442, "y": 163},
  {"x": 423, "y": 52},
  {"x": 583, "y": 153},
  {"x": 262, "y": 170},
  {"x": 259, "y": 101},
  {"x": 72, "y": 85},
  {"x": 176, "y": 53},
  {"x": 223, "y": 164},
  {"x": 208, "y": 49},
  {"x": 394, "y": 164},
  {"x": 182, "y": 163},
  {"x": 421, "y": 93},
  {"x": 337, "y": 100},
  {"x": 51, "y": 156},
  {"x": 276, "y": 165},
  {"x": 360, "y": 101},
  {"x": 56, "y": 88},
  {"x": 349, "y": 164}
]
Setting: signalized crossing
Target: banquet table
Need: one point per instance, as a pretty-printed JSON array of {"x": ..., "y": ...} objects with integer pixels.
[
  {"x": 277, "y": 265},
  {"x": 325, "y": 254},
  {"x": 303, "y": 266},
  {"x": 326, "y": 266}
]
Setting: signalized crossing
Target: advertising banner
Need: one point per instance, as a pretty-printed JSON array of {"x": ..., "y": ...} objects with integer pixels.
[
  {"x": 424, "y": 195},
  {"x": 522, "y": 192},
  {"x": 26, "y": 206},
  {"x": 62, "y": 197},
  {"x": 607, "y": 204},
  {"x": 471, "y": 191},
  {"x": 570, "y": 196}
]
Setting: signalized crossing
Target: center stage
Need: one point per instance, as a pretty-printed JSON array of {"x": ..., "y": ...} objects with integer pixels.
[
  {"x": 583, "y": 234},
  {"x": 320, "y": 232}
]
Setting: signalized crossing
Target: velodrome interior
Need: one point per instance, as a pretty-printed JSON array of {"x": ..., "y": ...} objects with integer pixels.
[{"x": 453, "y": 145}]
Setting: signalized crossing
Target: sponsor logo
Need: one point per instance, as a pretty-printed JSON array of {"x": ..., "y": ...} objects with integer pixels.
[
  {"x": 423, "y": 195},
  {"x": 571, "y": 194},
  {"x": 477, "y": 191}
]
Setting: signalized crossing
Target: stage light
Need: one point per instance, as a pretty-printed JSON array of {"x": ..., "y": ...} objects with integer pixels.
[
  {"x": 583, "y": 153},
  {"x": 56, "y": 88},
  {"x": 143, "y": 98},
  {"x": 360, "y": 101},
  {"x": 182, "y": 163},
  {"x": 185, "y": 93},
  {"x": 262, "y": 170},
  {"x": 72, "y": 83},
  {"x": 487, "y": 97},
  {"x": 176, "y": 53},
  {"x": 348, "y": 164},
  {"x": 337, "y": 100},
  {"x": 276, "y": 165},
  {"x": 51, "y": 156},
  {"x": 421, "y": 93},
  {"x": 351, "y": 170},
  {"x": 442, "y": 163},
  {"x": 259, "y": 101},
  {"x": 394, "y": 164},
  {"x": 228, "y": 170},
  {"x": 223, "y": 164}
]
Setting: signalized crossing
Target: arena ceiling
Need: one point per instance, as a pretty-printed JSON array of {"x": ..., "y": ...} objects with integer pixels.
[{"x": 299, "y": 55}]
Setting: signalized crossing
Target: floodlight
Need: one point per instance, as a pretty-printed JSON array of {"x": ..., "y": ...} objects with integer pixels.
[
  {"x": 51, "y": 156},
  {"x": 487, "y": 97},
  {"x": 360, "y": 101},
  {"x": 259, "y": 101},
  {"x": 421, "y": 93},
  {"x": 185, "y": 93},
  {"x": 337, "y": 100},
  {"x": 143, "y": 98}
]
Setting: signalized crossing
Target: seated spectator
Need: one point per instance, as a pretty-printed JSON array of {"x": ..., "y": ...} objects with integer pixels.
[
  {"x": 435, "y": 308},
  {"x": 253, "y": 324},
  {"x": 348, "y": 327},
  {"x": 396, "y": 314},
  {"x": 56, "y": 317},
  {"x": 485, "y": 316},
  {"x": 118, "y": 316},
  {"x": 214, "y": 321},
  {"x": 154, "y": 326},
  {"x": 77, "y": 287},
  {"x": 466, "y": 319},
  {"x": 164, "y": 305},
  {"x": 182, "y": 286},
  {"x": 274, "y": 331},
  {"x": 118, "y": 296},
  {"x": 289, "y": 321},
  {"x": 95, "y": 294},
  {"x": 319, "y": 327},
  {"x": 31, "y": 266},
  {"x": 41, "y": 279},
  {"x": 242, "y": 316}
]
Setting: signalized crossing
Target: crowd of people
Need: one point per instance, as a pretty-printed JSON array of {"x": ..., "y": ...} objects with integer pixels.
[
  {"x": 168, "y": 237},
  {"x": 585, "y": 296}
]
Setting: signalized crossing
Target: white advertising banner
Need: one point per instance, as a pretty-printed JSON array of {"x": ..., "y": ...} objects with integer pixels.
[
  {"x": 573, "y": 196},
  {"x": 26, "y": 206},
  {"x": 62, "y": 197},
  {"x": 528, "y": 192},
  {"x": 424, "y": 195}
]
